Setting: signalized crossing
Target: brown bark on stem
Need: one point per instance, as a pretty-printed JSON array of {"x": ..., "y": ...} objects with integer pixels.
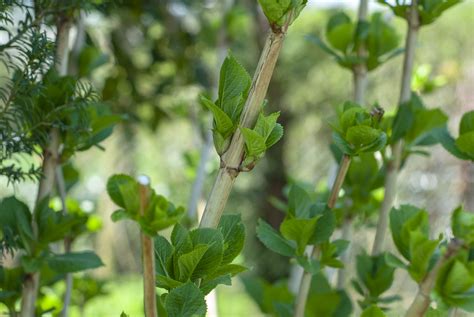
[
  {"x": 397, "y": 149},
  {"x": 50, "y": 161},
  {"x": 148, "y": 261},
  {"x": 232, "y": 159},
  {"x": 314, "y": 251},
  {"x": 420, "y": 304}
]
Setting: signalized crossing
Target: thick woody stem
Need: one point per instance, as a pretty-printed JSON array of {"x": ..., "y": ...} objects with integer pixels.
[
  {"x": 50, "y": 161},
  {"x": 233, "y": 157},
  {"x": 394, "y": 165},
  {"x": 314, "y": 251}
]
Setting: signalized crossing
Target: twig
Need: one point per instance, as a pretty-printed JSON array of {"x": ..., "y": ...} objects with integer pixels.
[
  {"x": 148, "y": 257},
  {"x": 394, "y": 165},
  {"x": 233, "y": 157},
  {"x": 422, "y": 300},
  {"x": 314, "y": 251}
]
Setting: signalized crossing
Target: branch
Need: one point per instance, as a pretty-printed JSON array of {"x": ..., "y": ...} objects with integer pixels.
[
  {"x": 233, "y": 157},
  {"x": 307, "y": 276},
  {"x": 148, "y": 258},
  {"x": 394, "y": 164},
  {"x": 50, "y": 161},
  {"x": 422, "y": 300}
]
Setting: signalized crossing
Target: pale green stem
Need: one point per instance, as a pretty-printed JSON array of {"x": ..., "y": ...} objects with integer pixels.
[
  {"x": 397, "y": 149},
  {"x": 232, "y": 159},
  {"x": 305, "y": 283}
]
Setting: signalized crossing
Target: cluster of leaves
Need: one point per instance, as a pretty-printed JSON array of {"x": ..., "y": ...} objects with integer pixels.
[
  {"x": 417, "y": 125},
  {"x": 345, "y": 36},
  {"x": 428, "y": 10},
  {"x": 410, "y": 231},
  {"x": 16, "y": 233},
  {"x": 156, "y": 214},
  {"x": 455, "y": 279},
  {"x": 281, "y": 13},
  {"x": 356, "y": 130},
  {"x": 35, "y": 98},
  {"x": 266, "y": 133},
  {"x": 276, "y": 300},
  {"x": 463, "y": 146},
  {"x": 194, "y": 262},
  {"x": 374, "y": 277},
  {"x": 234, "y": 85},
  {"x": 306, "y": 223}
]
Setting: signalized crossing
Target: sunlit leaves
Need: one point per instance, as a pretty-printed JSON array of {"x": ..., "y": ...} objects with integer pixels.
[
  {"x": 410, "y": 232},
  {"x": 356, "y": 131},
  {"x": 428, "y": 10},
  {"x": 281, "y": 12},
  {"x": 202, "y": 255},
  {"x": 266, "y": 133},
  {"x": 234, "y": 84},
  {"x": 344, "y": 37},
  {"x": 157, "y": 212}
]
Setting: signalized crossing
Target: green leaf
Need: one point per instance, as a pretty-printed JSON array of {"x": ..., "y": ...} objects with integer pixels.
[
  {"x": 361, "y": 135},
  {"x": 265, "y": 124},
  {"x": 212, "y": 258},
  {"x": 467, "y": 123},
  {"x": 311, "y": 265},
  {"x": 447, "y": 141},
  {"x": 223, "y": 124},
  {"x": 74, "y": 262},
  {"x": 339, "y": 18},
  {"x": 123, "y": 190},
  {"x": 119, "y": 214},
  {"x": 465, "y": 143},
  {"x": 209, "y": 284},
  {"x": 273, "y": 240},
  {"x": 459, "y": 280},
  {"x": 188, "y": 262},
  {"x": 375, "y": 273},
  {"x": 275, "y": 10},
  {"x": 181, "y": 239},
  {"x": 325, "y": 225},
  {"x": 167, "y": 282},
  {"x": 185, "y": 301},
  {"x": 299, "y": 202},
  {"x": 394, "y": 261},
  {"x": 16, "y": 216},
  {"x": 373, "y": 311},
  {"x": 254, "y": 142},
  {"x": 341, "y": 37},
  {"x": 233, "y": 231},
  {"x": 425, "y": 121},
  {"x": 299, "y": 230},
  {"x": 228, "y": 269},
  {"x": 234, "y": 83},
  {"x": 341, "y": 144},
  {"x": 462, "y": 224},
  {"x": 421, "y": 252},
  {"x": 403, "y": 220},
  {"x": 163, "y": 253},
  {"x": 275, "y": 135}
]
